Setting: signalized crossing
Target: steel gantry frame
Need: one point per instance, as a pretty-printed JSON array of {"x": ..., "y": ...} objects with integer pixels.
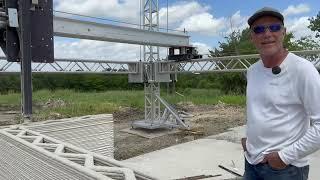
[
  {"x": 75, "y": 66},
  {"x": 75, "y": 28},
  {"x": 209, "y": 65},
  {"x": 153, "y": 117},
  {"x": 151, "y": 71}
]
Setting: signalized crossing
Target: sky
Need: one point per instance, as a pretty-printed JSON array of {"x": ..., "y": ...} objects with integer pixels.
[{"x": 207, "y": 22}]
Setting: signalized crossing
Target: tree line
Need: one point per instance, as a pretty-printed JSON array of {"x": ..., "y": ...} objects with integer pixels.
[{"x": 100, "y": 82}]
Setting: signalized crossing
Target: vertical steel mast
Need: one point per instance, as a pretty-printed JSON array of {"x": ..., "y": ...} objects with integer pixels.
[
  {"x": 154, "y": 117},
  {"x": 150, "y": 19}
]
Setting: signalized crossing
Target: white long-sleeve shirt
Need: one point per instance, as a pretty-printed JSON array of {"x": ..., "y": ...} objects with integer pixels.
[{"x": 283, "y": 111}]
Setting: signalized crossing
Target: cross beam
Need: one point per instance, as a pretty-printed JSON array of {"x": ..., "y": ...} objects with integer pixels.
[
  {"x": 73, "y": 28},
  {"x": 209, "y": 65}
]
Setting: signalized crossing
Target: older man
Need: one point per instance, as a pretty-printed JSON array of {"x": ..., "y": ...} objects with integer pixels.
[{"x": 283, "y": 105}]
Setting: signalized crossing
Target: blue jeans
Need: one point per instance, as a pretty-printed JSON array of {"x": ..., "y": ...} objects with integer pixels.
[{"x": 266, "y": 172}]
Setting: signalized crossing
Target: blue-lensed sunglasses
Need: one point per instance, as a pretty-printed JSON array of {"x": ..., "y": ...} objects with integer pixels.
[{"x": 261, "y": 28}]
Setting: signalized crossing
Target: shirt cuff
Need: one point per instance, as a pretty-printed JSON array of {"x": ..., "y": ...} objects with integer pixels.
[{"x": 283, "y": 158}]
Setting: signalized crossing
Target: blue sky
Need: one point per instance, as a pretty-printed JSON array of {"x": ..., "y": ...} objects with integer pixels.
[
  {"x": 228, "y": 7},
  {"x": 207, "y": 22}
]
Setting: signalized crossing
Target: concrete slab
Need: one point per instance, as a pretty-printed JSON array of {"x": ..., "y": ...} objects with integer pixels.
[
  {"x": 232, "y": 135},
  {"x": 202, "y": 157},
  {"x": 150, "y": 133},
  {"x": 91, "y": 132}
]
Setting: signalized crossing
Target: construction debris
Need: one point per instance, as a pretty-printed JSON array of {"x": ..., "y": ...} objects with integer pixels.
[
  {"x": 230, "y": 171},
  {"x": 199, "y": 177}
]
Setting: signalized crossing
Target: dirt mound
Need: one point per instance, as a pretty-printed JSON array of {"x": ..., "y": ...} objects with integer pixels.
[
  {"x": 207, "y": 120},
  {"x": 125, "y": 114}
]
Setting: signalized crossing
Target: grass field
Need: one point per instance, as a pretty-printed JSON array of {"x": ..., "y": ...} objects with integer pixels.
[{"x": 69, "y": 103}]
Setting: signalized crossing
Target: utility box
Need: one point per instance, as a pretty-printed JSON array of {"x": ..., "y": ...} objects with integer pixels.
[
  {"x": 162, "y": 72},
  {"x": 149, "y": 72},
  {"x": 10, "y": 35},
  {"x": 136, "y": 74},
  {"x": 41, "y": 30}
]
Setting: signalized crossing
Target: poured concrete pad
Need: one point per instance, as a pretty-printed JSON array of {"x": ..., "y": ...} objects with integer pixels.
[
  {"x": 202, "y": 157},
  {"x": 232, "y": 135},
  {"x": 235, "y": 134},
  {"x": 150, "y": 133}
]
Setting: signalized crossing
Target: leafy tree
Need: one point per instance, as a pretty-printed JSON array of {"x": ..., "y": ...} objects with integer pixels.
[
  {"x": 315, "y": 24},
  {"x": 239, "y": 43},
  {"x": 290, "y": 43},
  {"x": 307, "y": 43},
  {"x": 235, "y": 43}
]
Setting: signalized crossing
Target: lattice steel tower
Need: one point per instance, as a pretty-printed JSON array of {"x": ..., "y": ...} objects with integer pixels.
[
  {"x": 150, "y": 19},
  {"x": 154, "y": 117}
]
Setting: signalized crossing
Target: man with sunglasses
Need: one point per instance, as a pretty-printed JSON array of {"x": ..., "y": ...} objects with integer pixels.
[{"x": 283, "y": 105}]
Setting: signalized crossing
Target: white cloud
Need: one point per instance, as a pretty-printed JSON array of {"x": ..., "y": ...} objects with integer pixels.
[
  {"x": 203, "y": 23},
  {"x": 202, "y": 47},
  {"x": 238, "y": 21},
  {"x": 299, "y": 27},
  {"x": 180, "y": 11},
  {"x": 99, "y": 50},
  {"x": 235, "y": 23},
  {"x": 192, "y": 17},
  {"x": 126, "y": 10},
  {"x": 88, "y": 49},
  {"x": 294, "y": 10}
]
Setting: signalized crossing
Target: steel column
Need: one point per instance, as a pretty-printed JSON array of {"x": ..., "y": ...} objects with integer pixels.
[
  {"x": 151, "y": 54},
  {"x": 25, "y": 48}
]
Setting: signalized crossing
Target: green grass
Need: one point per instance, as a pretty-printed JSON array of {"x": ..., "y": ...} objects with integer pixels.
[
  {"x": 10, "y": 100},
  {"x": 69, "y": 103}
]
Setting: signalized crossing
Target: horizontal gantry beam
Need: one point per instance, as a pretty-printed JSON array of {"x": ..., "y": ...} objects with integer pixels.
[
  {"x": 72, "y": 28},
  {"x": 228, "y": 63},
  {"x": 74, "y": 66},
  {"x": 208, "y": 65}
]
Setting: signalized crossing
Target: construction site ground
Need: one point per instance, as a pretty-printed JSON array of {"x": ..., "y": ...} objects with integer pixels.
[
  {"x": 207, "y": 120},
  {"x": 212, "y": 141}
]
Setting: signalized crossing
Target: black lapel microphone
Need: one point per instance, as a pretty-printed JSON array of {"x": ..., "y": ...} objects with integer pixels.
[{"x": 276, "y": 70}]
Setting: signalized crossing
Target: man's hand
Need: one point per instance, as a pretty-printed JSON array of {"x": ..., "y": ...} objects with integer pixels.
[
  {"x": 274, "y": 160},
  {"x": 243, "y": 142}
]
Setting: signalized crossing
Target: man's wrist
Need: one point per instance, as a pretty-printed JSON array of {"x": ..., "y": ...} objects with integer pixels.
[
  {"x": 282, "y": 157},
  {"x": 244, "y": 144}
]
